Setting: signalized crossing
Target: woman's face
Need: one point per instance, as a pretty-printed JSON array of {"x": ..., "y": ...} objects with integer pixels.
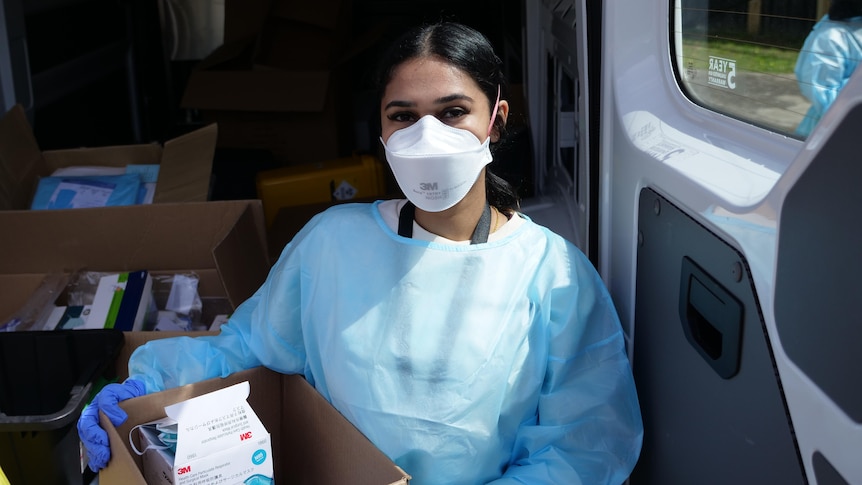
[{"x": 430, "y": 86}]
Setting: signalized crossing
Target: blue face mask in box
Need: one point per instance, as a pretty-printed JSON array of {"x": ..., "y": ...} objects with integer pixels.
[
  {"x": 258, "y": 480},
  {"x": 168, "y": 436},
  {"x": 161, "y": 435}
]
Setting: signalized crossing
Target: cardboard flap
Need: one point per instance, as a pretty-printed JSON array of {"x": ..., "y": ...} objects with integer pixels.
[
  {"x": 184, "y": 159},
  {"x": 20, "y": 160},
  {"x": 157, "y": 237},
  {"x": 241, "y": 257},
  {"x": 109, "y": 156},
  {"x": 317, "y": 426},
  {"x": 120, "y": 463}
]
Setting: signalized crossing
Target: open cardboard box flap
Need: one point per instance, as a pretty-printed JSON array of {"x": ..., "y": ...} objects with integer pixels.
[
  {"x": 225, "y": 239},
  {"x": 236, "y": 68},
  {"x": 21, "y": 160},
  {"x": 312, "y": 442},
  {"x": 185, "y": 162}
]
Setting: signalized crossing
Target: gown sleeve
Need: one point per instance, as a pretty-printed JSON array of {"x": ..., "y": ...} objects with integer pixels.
[
  {"x": 587, "y": 428},
  {"x": 824, "y": 65}
]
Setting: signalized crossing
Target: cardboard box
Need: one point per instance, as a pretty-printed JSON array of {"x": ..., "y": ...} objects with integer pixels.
[
  {"x": 223, "y": 242},
  {"x": 292, "y": 113},
  {"x": 184, "y": 163},
  {"x": 311, "y": 441},
  {"x": 284, "y": 87}
]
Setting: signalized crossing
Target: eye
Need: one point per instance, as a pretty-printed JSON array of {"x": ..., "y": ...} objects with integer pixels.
[
  {"x": 453, "y": 113},
  {"x": 402, "y": 117}
]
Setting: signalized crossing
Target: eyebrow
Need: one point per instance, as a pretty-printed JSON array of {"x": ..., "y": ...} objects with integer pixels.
[{"x": 443, "y": 100}]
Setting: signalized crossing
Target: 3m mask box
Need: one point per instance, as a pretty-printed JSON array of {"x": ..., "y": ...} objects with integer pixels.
[{"x": 220, "y": 441}]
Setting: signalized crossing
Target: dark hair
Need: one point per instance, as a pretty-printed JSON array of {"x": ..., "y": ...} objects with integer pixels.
[
  {"x": 472, "y": 53},
  {"x": 845, "y": 9}
]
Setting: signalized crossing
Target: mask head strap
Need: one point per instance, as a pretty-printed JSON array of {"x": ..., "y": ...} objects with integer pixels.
[
  {"x": 163, "y": 446},
  {"x": 494, "y": 111}
]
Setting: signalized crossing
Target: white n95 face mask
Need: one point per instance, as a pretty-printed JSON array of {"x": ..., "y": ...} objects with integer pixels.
[{"x": 435, "y": 164}]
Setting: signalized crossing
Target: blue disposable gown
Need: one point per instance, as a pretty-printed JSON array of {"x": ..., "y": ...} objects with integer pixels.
[
  {"x": 828, "y": 57},
  {"x": 463, "y": 364}
]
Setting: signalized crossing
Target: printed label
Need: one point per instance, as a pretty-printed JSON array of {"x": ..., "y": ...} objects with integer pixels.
[
  {"x": 81, "y": 194},
  {"x": 722, "y": 72}
]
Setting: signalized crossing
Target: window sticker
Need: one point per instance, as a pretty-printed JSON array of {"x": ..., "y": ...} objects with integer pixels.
[
  {"x": 722, "y": 72},
  {"x": 743, "y": 59}
]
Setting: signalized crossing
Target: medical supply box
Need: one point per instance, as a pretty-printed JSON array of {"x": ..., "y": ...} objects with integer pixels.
[
  {"x": 184, "y": 163},
  {"x": 279, "y": 81},
  {"x": 337, "y": 180},
  {"x": 46, "y": 378},
  {"x": 311, "y": 442},
  {"x": 219, "y": 439},
  {"x": 222, "y": 242}
]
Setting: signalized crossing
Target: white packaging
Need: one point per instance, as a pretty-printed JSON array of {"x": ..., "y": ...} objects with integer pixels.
[{"x": 220, "y": 441}]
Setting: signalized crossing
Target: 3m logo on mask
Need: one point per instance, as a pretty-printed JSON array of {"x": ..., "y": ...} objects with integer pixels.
[{"x": 450, "y": 159}]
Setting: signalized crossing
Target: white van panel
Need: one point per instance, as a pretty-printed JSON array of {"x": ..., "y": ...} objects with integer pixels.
[{"x": 737, "y": 194}]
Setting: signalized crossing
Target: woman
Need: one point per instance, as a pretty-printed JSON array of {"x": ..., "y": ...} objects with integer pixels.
[
  {"x": 468, "y": 343},
  {"x": 830, "y": 54}
]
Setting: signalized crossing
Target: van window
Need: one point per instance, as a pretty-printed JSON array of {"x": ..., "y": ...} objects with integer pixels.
[{"x": 750, "y": 59}]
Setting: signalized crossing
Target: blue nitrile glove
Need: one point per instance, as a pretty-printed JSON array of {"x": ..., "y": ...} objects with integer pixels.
[{"x": 92, "y": 435}]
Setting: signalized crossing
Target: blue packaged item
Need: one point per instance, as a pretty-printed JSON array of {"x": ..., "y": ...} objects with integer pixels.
[
  {"x": 149, "y": 175},
  {"x": 73, "y": 192}
]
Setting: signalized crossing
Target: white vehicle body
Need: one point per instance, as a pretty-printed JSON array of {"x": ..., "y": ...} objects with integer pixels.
[{"x": 690, "y": 199}]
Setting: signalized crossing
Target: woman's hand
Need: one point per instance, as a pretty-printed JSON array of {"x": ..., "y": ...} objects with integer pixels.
[{"x": 107, "y": 400}]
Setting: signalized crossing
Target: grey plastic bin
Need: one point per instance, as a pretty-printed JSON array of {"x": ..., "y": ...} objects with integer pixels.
[{"x": 46, "y": 379}]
